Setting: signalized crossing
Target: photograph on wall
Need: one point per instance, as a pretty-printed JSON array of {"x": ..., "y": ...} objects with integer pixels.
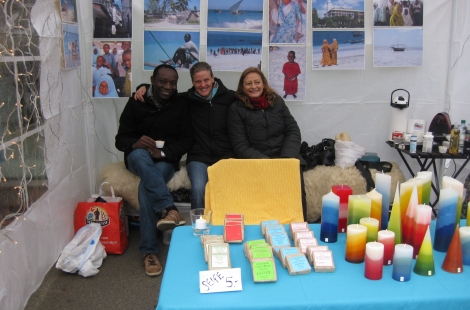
[
  {"x": 338, "y": 50},
  {"x": 338, "y": 14},
  {"x": 111, "y": 69},
  {"x": 233, "y": 51},
  {"x": 183, "y": 14},
  {"x": 71, "y": 46},
  {"x": 68, "y": 12},
  {"x": 287, "y": 71},
  {"x": 235, "y": 14},
  {"x": 112, "y": 19},
  {"x": 398, "y": 47},
  {"x": 179, "y": 49},
  {"x": 389, "y": 13},
  {"x": 287, "y": 21}
]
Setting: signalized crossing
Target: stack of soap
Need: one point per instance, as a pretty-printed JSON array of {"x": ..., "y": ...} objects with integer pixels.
[
  {"x": 297, "y": 264},
  {"x": 210, "y": 239},
  {"x": 234, "y": 228},
  {"x": 303, "y": 239},
  {"x": 218, "y": 256},
  {"x": 260, "y": 255},
  {"x": 298, "y": 226},
  {"x": 288, "y": 251},
  {"x": 321, "y": 258}
]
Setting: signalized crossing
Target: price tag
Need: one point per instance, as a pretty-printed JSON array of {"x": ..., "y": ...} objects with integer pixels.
[{"x": 223, "y": 280}]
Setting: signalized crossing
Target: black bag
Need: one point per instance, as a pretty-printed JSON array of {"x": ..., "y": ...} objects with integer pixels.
[{"x": 321, "y": 154}]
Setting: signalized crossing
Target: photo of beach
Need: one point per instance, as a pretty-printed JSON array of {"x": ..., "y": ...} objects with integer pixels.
[
  {"x": 68, "y": 13},
  {"x": 177, "y": 48},
  {"x": 398, "y": 47},
  {"x": 233, "y": 51},
  {"x": 71, "y": 46},
  {"x": 235, "y": 14},
  {"x": 347, "y": 53},
  {"x": 287, "y": 21},
  {"x": 284, "y": 74},
  {"x": 172, "y": 14},
  {"x": 338, "y": 14}
]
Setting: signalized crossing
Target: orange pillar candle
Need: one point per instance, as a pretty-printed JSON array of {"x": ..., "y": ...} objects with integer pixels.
[{"x": 355, "y": 243}]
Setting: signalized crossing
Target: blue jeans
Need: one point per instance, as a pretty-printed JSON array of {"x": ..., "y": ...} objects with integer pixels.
[
  {"x": 197, "y": 172},
  {"x": 153, "y": 195}
]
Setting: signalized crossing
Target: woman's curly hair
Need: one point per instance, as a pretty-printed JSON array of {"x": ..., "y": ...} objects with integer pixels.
[{"x": 271, "y": 95}]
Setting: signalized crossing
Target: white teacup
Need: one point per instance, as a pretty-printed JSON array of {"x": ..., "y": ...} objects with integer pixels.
[{"x": 159, "y": 144}]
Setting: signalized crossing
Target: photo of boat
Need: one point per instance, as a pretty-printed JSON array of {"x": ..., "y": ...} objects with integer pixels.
[
  {"x": 398, "y": 47},
  {"x": 234, "y": 8},
  {"x": 357, "y": 34},
  {"x": 356, "y": 41}
]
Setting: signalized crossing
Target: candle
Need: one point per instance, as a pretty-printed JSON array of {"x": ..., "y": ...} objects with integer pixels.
[
  {"x": 465, "y": 242},
  {"x": 408, "y": 224},
  {"x": 402, "y": 261},
  {"x": 458, "y": 186},
  {"x": 372, "y": 228},
  {"x": 374, "y": 260},
  {"x": 419, "y": 188},
  {"x": 382, "y": 185},
  {"x": 329, "y": 218},
  {"x": 395, "y": 217},
  {"x": 201, "y": 223},
  {"x": 355, "y": 243},
  {"x": 445, "y": 224},
  {"x": 422, "y": 221},
  {"x": 375, "y": 205},
  {"x": 387, "y": 238},
  {"x": 468, "y": 214},
  {"x": 358, "y": 207},
  {"x": 453, "y": 261},
  {"x": 405, "y": 193},
  {"x": 343, "y": 191},
  {"x": 425, "y": 262},
  {"x": 426, "y": 177}
]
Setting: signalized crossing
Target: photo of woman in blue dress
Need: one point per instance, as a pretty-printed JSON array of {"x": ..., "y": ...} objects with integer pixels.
[{"x": 287, "y": 21}]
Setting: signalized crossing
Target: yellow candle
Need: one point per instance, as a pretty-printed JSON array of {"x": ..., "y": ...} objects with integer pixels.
[
  {"x": 358, "y": 207},
  {"x": 426, "y": 177},
  {"x": 376, "y": 205},
  {"x": 395, "y": 217},
  {"x": 405, "y": 193},
  {"x": 372, "y": 228},
  {"x": 355, "y": 243}
]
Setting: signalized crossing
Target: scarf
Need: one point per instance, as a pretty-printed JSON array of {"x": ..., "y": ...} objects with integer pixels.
[
  {"x": 154, "y": 101},
  {"x": 259, "y": 103}
]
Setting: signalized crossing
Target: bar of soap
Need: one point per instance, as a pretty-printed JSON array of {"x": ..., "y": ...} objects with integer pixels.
[
  {"x": 288, "y": 251},
  {"x": 264, "y": 270},
  {"x": 313, "y": 248},
  {"x": 264, "y": 223},
  {"x": 323, "y": 261},
  {"x": 297, "y": 264},
  {"x": 277, "y": 240}
]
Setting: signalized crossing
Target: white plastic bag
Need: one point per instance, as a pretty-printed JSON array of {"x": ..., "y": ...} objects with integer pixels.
[
  {"x": 84, "y": 253},
  {"x": 347, "y": 153}
]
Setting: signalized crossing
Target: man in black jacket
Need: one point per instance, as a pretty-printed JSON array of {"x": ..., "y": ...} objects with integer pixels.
[
  {"x": 208, "y": 101},
  {"x": 163, "y": 116}
]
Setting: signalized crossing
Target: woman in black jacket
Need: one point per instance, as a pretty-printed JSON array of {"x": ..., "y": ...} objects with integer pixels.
[{"x": 260, "y": 124}]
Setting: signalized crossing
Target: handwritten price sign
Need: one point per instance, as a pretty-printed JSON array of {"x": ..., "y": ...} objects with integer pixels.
[{"x": 223, "y": 280}]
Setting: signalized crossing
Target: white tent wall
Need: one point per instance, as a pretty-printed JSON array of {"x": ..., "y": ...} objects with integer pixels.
[{"x": 80, "y": 131}]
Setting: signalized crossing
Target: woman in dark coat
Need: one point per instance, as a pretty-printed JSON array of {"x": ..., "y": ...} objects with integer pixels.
[{"x": 260, "y": 124}]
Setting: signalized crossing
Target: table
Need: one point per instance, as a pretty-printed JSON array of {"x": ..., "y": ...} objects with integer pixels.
[
  {"x": 425, "y": 161},
  {"x": 346, "y": 288}
]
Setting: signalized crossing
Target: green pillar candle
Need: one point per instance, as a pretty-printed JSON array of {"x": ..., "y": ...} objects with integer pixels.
[{"x": 358, "y": 207}]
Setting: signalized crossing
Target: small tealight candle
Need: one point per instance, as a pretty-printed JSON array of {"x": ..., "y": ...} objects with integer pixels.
[
  {"x": 402, "y": 261},
  {"x": 200, "y": 223},
  {"x": 372, "y": 228},
  {"x": 374, "y": 260},
  {"x": 387, "y": 238}
]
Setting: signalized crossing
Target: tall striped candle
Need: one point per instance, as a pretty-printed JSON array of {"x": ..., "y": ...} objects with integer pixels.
[
  {"x": 355, "y": 243},
  {"x": 372, "y": 228},
  {"x": 387, "y": 238},
  {"x": 445, "y": 224},
  {"x": 465, "y": 241},
  {"x": 375, "y": 205},
  {"x": 409, "y": 222},
  {"x": 468, "y": 214},
  {"x": 402, "y": 262},
  {"x": 374, "y": 261},
  {"x": 343, "y": 191},
  {"x": 395, "y": 217},
  {"x": 422, "y": 222},
  {"x": 405, "y": 194},
  {"x": 426, "y": 177},
  {"x": 382, "y": 185},
  {"x": 425, "y": 262},
  {"x": 329, "y": 218},
  {"x": 458, "y": 186},
  {"x": 358, "y": 207},
  {"x": 419, "y": 188}
]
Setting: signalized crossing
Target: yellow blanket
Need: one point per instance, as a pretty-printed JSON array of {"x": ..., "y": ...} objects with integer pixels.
[{"x": 260, "y": 189}]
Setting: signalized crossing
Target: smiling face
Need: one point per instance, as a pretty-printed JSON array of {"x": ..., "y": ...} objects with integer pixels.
[
  {"x": 253, "y": 85},
  {"x": 164, "y": 83},
  {"x": 203, "y": 82},
  {"x": 104, "y": 89}
]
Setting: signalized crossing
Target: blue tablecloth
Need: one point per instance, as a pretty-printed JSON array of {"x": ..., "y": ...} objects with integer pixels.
[{"x": 346, "y": 288}]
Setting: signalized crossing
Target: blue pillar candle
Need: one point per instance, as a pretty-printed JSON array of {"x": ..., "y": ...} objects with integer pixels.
[
  {"x": 329, "y": 218},
  {"x": 465, "y": 242},
  {"x": 445, "y": 224},
  {"x": 402, "y": 261},
  {"x": 383, "y": 182}
]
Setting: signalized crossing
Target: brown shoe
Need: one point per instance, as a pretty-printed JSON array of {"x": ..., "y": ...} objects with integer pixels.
[
  {"x": 152, "y": 265},
  {"x": 172, "y": 219}
]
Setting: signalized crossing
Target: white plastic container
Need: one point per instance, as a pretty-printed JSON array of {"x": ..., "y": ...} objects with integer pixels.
[{"x": 428, "y": 139}]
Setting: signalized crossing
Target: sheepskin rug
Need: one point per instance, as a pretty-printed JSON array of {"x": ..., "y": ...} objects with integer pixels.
[
  {"x": 126, "y": 184},
  {"x": 319, "y": 180}
]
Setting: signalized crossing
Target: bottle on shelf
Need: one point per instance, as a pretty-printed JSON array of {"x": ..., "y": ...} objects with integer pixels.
[
  {"x": 463, "y": 131},
  {"x": 413, "y": 143},
  {"x": 454, "y": 139},
  {"x": 466, "y": 143}
]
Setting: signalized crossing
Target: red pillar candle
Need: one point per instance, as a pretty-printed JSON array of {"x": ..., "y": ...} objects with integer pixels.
[
  {"x": 343, "y": 191},
  {"x": 374, "y": 260},
  {"x": 387, "y": 238}
]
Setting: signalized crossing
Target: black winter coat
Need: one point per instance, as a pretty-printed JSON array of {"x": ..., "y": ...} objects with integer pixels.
[
  {"x": 269, "y": 133},
  {"x": 171, "y": 124}
]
